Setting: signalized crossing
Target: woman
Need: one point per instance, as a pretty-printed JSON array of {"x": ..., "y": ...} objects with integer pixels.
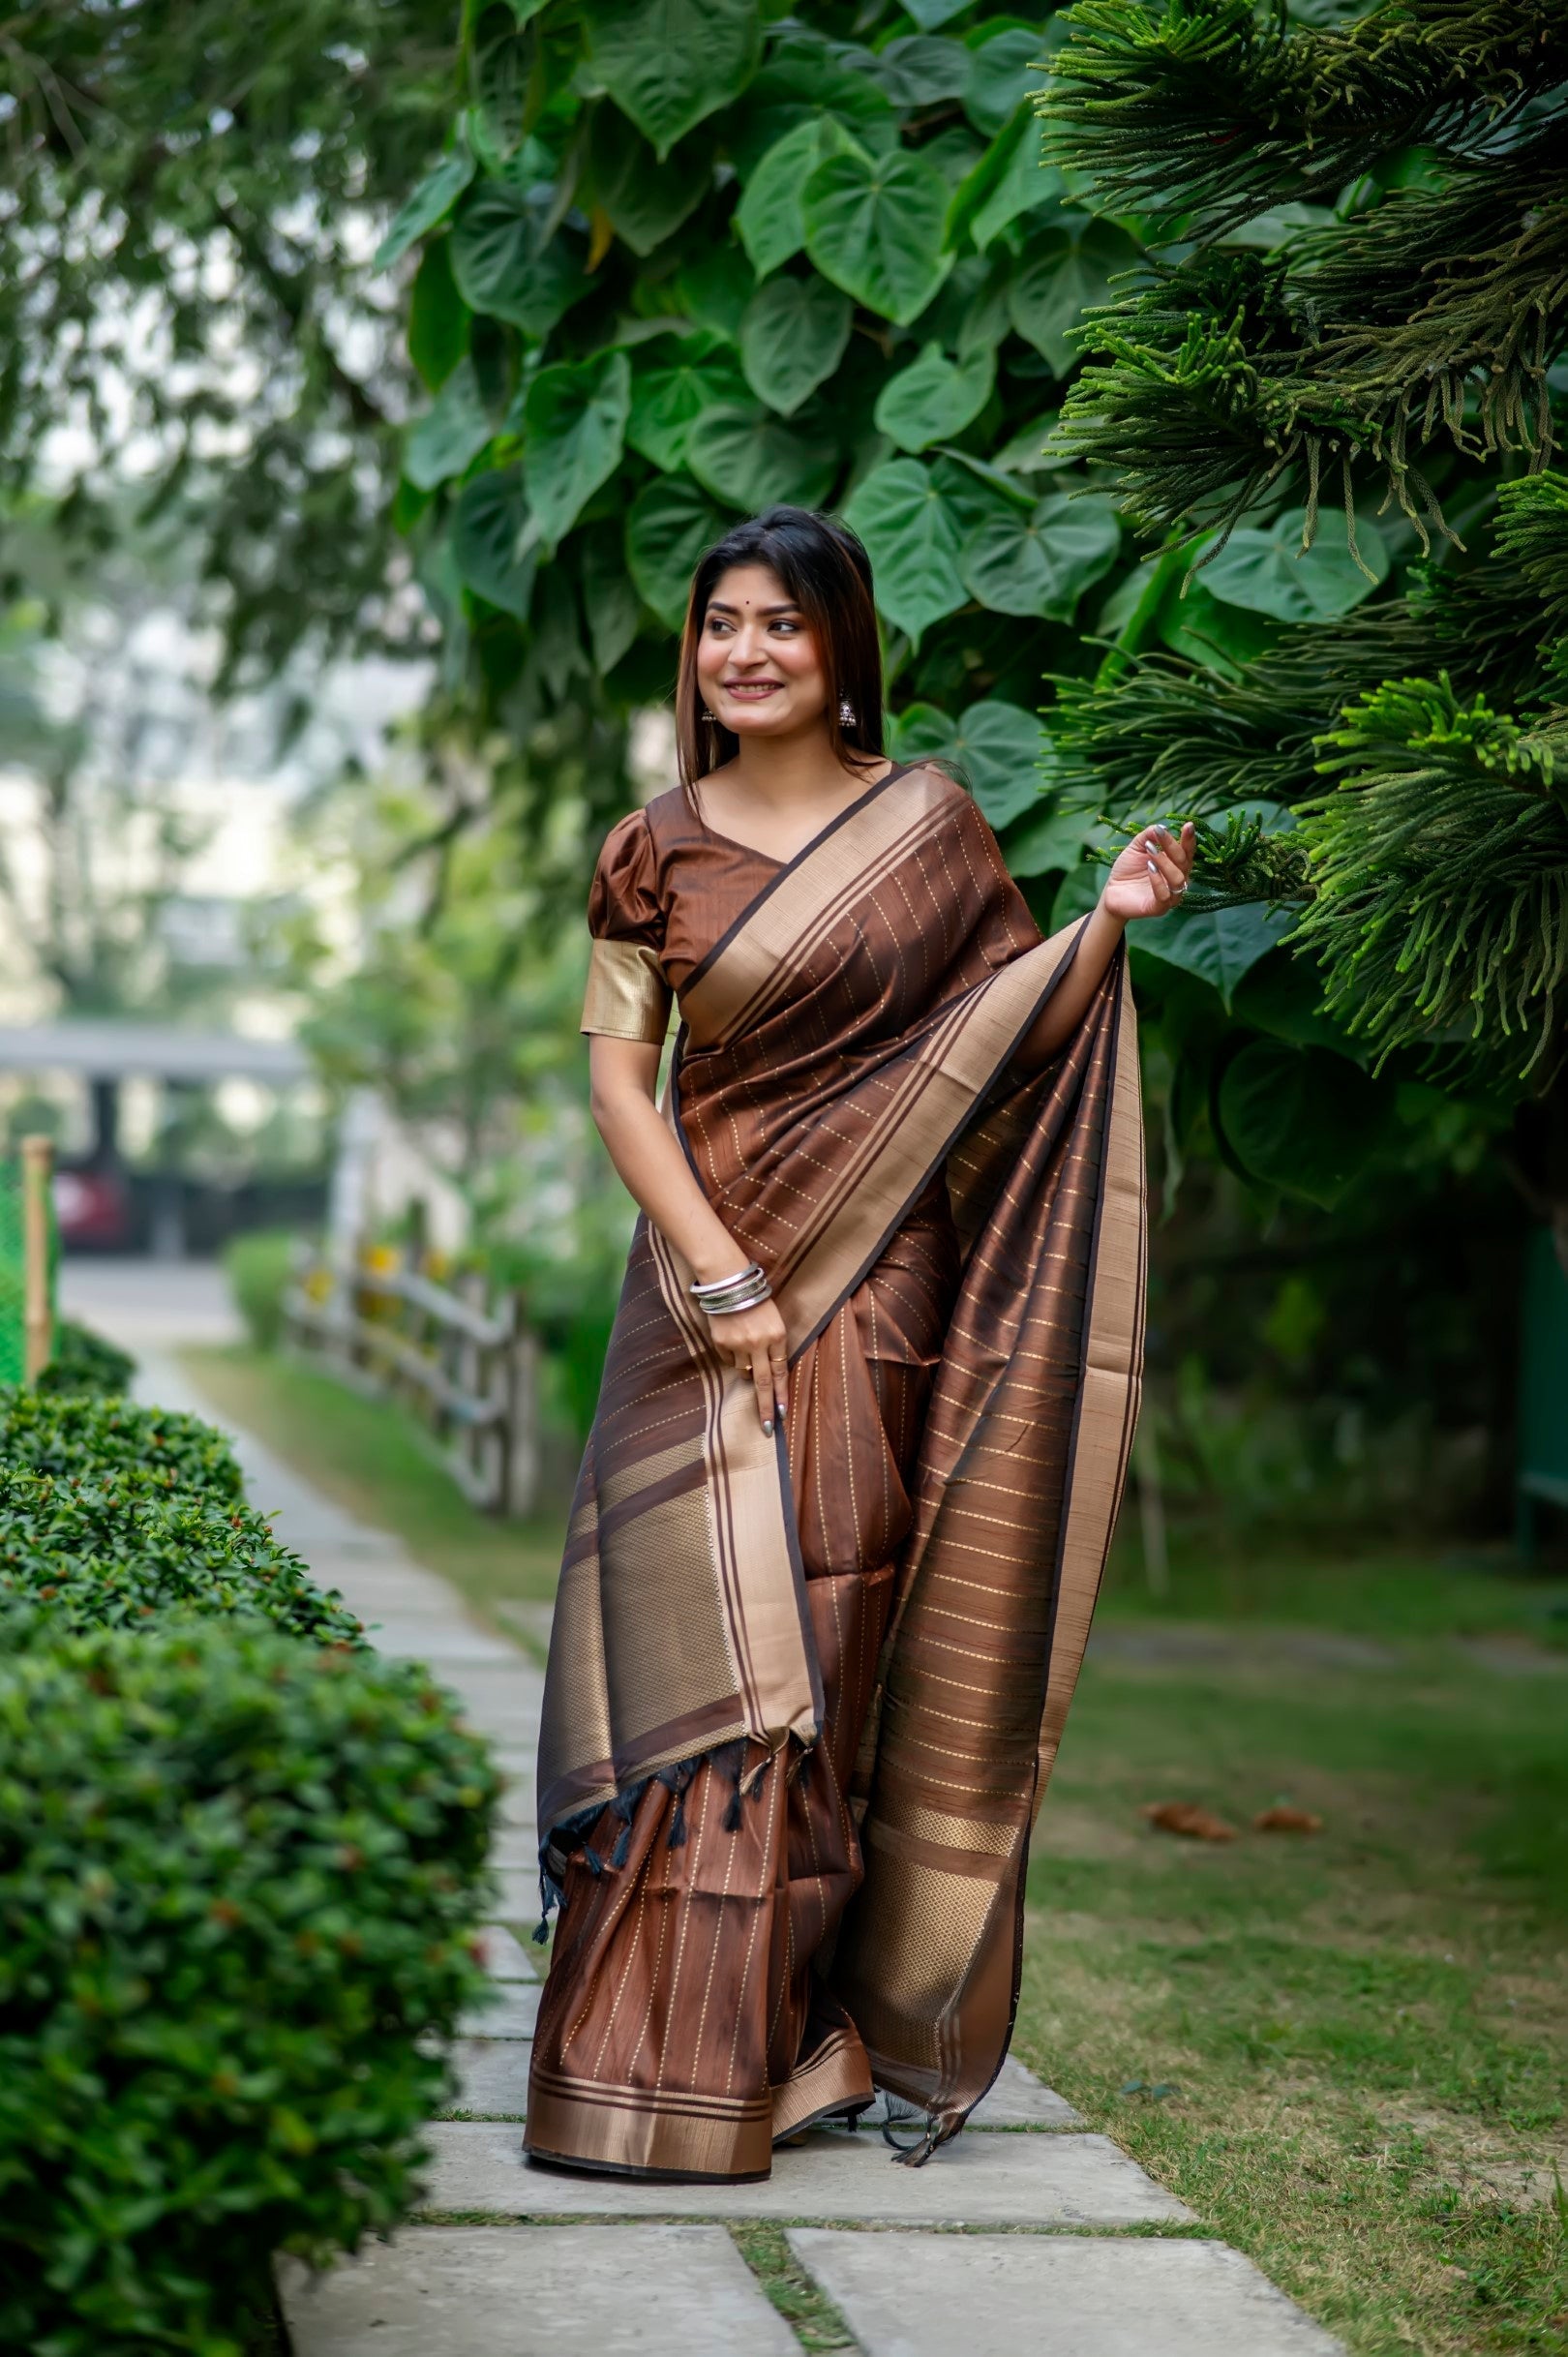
[{"x": 865, "y": 1412}]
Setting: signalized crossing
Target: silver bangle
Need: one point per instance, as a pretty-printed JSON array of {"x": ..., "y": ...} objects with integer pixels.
[
  {"x": 724, "y": 1298},
  {"x": 722, "y": 1285}
]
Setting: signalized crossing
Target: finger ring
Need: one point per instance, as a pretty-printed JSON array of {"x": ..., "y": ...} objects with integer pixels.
[
  {"x": 746, "y": 1368},
  {"x": 1182, "y": 887}
]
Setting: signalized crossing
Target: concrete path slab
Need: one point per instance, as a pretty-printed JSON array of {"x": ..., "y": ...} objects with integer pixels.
[
  {"x": 493, "y": 2078},
  {"x": 1000, "y": 2295},
  {"x": 510, "y": 2010},
  {"x": 505, "y": 1956},
  {"x": 441, "y": 1640},
  {"x": 977, "y": 2180},
  {"x": 466, "y": 2291}
]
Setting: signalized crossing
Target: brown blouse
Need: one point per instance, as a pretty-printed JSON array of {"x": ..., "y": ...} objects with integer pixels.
[{"x": 668, "y": 887}]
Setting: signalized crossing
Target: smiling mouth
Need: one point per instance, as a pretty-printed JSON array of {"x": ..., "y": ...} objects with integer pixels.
[{"x": 751, "y": 691}]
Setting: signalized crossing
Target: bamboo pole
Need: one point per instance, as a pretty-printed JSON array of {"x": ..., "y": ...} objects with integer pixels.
[{"x": 38, "y": 1317}]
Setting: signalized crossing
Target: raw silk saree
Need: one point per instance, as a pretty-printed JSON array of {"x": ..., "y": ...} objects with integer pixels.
[{"x": 786, "y": 1793}]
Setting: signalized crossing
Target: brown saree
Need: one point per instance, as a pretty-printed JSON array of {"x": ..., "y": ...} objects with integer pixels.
[{"x": 805, "y": 1692}]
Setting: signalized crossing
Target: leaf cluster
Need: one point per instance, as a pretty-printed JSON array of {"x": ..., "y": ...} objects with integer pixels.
[
  {"x": 84, "y": 1361},
  {"x": 239, "y": 1881},
  {"x": 190, "y": 198},
  {"x": 139, "y": 1451},
  {"x": 1436, "y": 869},
  {"x": 1204, "y": 113},
  {"x": 107, "y": 1555},
  {"x": 703, "y": 259},
  {"x": 1439, "y": 866},
  {"x": 1431, "y": 318}
]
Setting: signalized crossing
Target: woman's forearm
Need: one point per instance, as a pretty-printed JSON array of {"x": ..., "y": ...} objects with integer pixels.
[
  {"x": 648, "y": 1156},
  {"x": 1064, "y": 1010}
]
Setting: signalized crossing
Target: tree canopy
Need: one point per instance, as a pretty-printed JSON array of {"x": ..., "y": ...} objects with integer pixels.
[{"x": 186, "y": 304}]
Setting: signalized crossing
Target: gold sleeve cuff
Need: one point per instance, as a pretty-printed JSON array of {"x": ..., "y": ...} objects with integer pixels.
[{"x": 627, "y": 996}]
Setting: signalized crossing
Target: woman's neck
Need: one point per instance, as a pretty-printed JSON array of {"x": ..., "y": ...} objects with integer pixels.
[{"x": 785, "y": 773}]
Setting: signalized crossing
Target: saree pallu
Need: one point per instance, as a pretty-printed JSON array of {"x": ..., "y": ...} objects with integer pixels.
[{"x": 787, "y": 1801}]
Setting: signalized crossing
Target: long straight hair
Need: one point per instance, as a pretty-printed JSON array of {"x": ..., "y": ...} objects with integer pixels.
[{"x": 824, "y": 570}]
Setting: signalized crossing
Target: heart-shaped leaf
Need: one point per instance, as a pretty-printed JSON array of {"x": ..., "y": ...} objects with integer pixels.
[
  {"x": 1041, "y": 563},
  {"x": 432, "y": 201},
  {"x": 1050, "y": 839},
  {"x": 874, "y": 227},
  {"x": 752, "y": 459},
  {"x": 767, "y": 217},
  {"x": 451, "y": 433},
  {"x": 574, "y": 424},
  {"x": 439, "y": 319},
  {"x": 676, "y": 379},
  {"x": 1220, "y": 945},
  {"x": 1266, "y": 570},
  {"x": 994, "y": 747},
  {"x": 609, "y": 598},
  {"x": 913, "y": 538},
  {"x": 645, "y": 201},
  {"x": 793, "y": 338},
  {"x": 1004, "y": 71},
  {"x": 934, "y": 398},
  {"x": 1300, "y": 1118},
  {"x": 1067, "y": 272},
  {"x": 500, "y": 266},
  {"x": 1010, "y": 180},
  {"x": 668, "y": 64},
  {"x": 493, "y": 546},
  {"x": 917, "y": 70},
  {"x": 671, "y": 523},
  {"x": 929, "y": 13},
  {"x": 714, "y": 289}
]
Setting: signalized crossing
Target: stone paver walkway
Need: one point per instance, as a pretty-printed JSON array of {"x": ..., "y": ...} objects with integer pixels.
[{"x": 875, "y": 2237}]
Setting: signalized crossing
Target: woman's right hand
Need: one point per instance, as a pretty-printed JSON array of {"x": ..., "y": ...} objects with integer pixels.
[{"x": 753, "y": 1341}]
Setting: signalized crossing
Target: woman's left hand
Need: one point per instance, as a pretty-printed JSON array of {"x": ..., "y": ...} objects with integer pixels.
[{"x": 1150, "y": 877}]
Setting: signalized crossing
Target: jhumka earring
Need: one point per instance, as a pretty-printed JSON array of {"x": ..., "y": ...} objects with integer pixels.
[
  {"x": 704, "y": 713},
  {"x": 846, "y": 715}
]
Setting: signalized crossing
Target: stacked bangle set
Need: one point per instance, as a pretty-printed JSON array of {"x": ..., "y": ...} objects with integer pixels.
[{"x": 723, "y": 1296}]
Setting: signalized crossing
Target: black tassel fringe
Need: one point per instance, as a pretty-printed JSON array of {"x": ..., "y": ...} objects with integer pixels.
[{"x": 570, "y": 1837}]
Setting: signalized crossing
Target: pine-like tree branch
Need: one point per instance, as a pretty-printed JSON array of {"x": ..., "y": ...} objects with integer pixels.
[
  {"x": 1204, "y": 115},
  {"x": 1431, "y": 318}
]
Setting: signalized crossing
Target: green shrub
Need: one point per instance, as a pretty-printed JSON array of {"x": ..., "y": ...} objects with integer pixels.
[
  {"x": 102, "y": 1556},
  {"x": 85, "y": 1362},
  {"x": 92, "y": 1439},
  {"x": 240, "y": 1880},
  {"x": 260, "y": 1268}
]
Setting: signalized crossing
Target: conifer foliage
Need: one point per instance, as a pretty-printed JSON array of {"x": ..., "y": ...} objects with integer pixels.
[{"x": 1351, "y": 335}]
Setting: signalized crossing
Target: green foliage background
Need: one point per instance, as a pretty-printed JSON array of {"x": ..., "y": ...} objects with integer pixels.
[{"x": 679, "y": 261}]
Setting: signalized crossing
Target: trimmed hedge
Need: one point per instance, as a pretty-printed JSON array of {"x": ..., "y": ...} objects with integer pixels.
[
  {"x": 155, "y": 1448},
  {"x": 239, "y": 1883},
  {"x": 84, "y": 1361},
  {"x": 106, "y": 1556}
]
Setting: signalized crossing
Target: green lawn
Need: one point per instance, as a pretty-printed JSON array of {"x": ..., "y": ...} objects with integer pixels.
[{"x": 1348, "y": 2052}]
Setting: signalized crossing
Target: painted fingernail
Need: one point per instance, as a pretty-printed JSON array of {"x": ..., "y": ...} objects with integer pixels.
[{"x": 768, "y": 1427}]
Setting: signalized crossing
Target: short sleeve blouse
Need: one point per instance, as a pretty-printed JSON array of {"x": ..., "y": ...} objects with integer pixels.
[{"x": 628, "y": 997}]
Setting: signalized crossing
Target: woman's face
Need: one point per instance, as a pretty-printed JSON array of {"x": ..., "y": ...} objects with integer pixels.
[{"x": 758, "y": 668}]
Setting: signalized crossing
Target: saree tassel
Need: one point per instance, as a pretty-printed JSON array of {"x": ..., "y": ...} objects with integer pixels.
[
  {"x": 731, "y": 1760},
  {"x": 674, "y": 1779},
  {"x": 625, "y": 1806}
]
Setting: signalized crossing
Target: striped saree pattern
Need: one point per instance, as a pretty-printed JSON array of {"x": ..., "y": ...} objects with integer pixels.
[{"x": 805, "y": 1692}]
